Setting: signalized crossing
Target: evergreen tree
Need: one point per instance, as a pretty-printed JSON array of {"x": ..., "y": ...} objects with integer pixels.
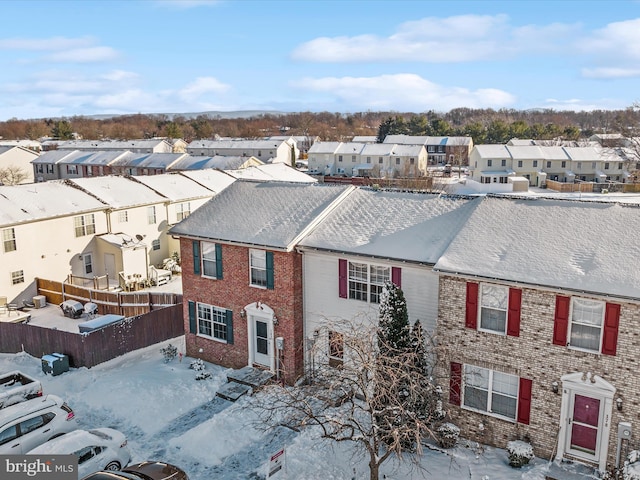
[{"x": 394, "y": 332}]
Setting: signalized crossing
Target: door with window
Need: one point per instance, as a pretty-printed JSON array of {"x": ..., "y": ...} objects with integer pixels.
[
  {"x": 262, "y": 342},
  {"x": 584, "y": 422}
]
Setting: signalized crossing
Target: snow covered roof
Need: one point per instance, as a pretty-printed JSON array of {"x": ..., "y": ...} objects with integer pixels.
[
  {"x": 238, "y": 144},
  {"x": 39, "y": 201},
  {"x": 95, "y": 157},
  {"x": 107, "y": 144},
  {"x": 492, "y": 151},
  {"x": 213, "y": 179},
  {"x": 269, "y": 214},
  {"x": 272, "y": 171},
  {"x": 223, "y": 162},
  {"x": 407, "y": 150},
  {"x": 365, "y": 138},
  {"x": 414, "y": 227},
  {"x": 55, "y": 156},
  {"x": 118, "y": 191},
  {"x": 324, "y": 147},
  {"x": 585, "y": 154},
  {"x": 377, "y": 149},
  {"x": 572, "y": 245},
  {"x": 149, "y": 160},
  {"x": 349, "y": 148},
  {"x": 174, "y": 186}
]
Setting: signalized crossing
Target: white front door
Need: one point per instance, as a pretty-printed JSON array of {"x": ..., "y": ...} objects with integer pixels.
[
  {"x": 262, "y": 342},
  {"x": 585, "y": 418},
  {"x": 110, "y": 266}
]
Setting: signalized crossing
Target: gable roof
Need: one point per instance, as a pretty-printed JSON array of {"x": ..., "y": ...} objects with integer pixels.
[
  {"x": 40, "y": 201},
  {"x": 174, "y": 186},
  {"x": 117, "y": 191},
  {"x": 272, "y": 171},
  {"x": 566, "y": 244},
  {"x": 413, "y": 227},
  {"x": 266, "y": 214},
  {"x": 149, "y": 160},
  {"x": 214, "y": 180},
  {"x": 223, "y": 162}
]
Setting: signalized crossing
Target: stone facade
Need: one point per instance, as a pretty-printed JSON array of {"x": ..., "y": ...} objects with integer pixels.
[
  {"x": 234, "y": 293},
  {"x": 533, "y": 355}
]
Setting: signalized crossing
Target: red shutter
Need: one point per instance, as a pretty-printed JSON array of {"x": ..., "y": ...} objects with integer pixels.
[
  {"x": 471, "y": 316},
  {"x": 513, "y": 320},
  {"x": 610, "y": 336},
  {"x": 396, "y": 276},
  {"x": 524, "y": 401},
  {"x": 342, "y": 278},
  {"x": 455, "y": 383},
  {"x": 561, "y": 320}
]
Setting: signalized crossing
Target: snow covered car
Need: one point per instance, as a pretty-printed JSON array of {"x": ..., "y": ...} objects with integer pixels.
[
  {"x": 142, "y": 471},
  {"x": 97, "y": 449}
]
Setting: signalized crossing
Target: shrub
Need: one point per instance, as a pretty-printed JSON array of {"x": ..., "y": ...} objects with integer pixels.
[
  {"x": 631, "y": 469},
  {"x": 447, "y": 435},
  {"x": 169, "y": 353},
  {"x": 197, "y": 365},
  {"x": 519, "y": 453}
]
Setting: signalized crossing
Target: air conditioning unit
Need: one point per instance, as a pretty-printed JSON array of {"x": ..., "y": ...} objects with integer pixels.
[{"x": 341, "y": 170}]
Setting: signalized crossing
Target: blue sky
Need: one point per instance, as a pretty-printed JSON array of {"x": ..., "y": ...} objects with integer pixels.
[{"x": 65, "y": 58}]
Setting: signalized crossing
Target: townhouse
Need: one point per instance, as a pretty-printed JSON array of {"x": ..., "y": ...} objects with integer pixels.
[
  {"x": 267, "y": 151},
  {"x": 152, "y": 145},
  {"x": 16, "y": 161},
  {"x": 440, "y": 150},
  {"x": 537, "y": 327},
  {"x": 61, "y": 164},
  {"x": 242, "y": 277}
]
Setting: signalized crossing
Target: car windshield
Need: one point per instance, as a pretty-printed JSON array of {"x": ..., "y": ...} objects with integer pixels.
[{"x": 100, "y": 434}]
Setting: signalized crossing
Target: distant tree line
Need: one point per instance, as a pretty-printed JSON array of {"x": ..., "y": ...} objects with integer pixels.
[{"x": 483, "y": 125}]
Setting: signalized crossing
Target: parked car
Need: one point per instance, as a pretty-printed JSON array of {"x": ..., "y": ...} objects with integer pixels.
[
  {"x": 17, "y": 387},
  {"x": 142, "y": 471},
  {"x": 26, "y": 425},
  {"x": 97, "y": 449}
]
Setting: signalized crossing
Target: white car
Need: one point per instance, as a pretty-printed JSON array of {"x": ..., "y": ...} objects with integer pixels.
[
  {"x": 97, "y": 449},
  {"x": 26, "y": 425}
]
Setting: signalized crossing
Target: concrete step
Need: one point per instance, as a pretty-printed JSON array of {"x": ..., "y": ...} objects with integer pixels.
[
  {"x": 232, "y": 391},
  {"x": 567, "y": 470},
  {"x": 253, "y": 377}
]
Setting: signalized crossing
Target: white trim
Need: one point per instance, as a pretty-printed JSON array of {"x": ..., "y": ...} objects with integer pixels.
[
  {"x": 591, "y": 386},
  {"x": 261, "y": 312}
]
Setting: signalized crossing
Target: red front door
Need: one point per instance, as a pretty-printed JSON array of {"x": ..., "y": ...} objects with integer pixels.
[{"x": 584, "y": 424}]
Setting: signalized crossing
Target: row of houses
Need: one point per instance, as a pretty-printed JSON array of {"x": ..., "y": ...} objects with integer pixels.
[
  {"x": 537, "y": 163},
  {"x": 398, "y": 155},
  {"x": 534, "y": 302},
  {"x": 111, "y": 229}
]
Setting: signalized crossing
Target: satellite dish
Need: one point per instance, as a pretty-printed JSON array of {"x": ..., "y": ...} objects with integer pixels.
[{"x": 139, "y": 237}]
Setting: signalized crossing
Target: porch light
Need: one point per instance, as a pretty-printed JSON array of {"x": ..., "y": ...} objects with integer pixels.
[
  {"x": 242, "y": 313},
  {"x": 554, "y": 386},
  {"x": 619, "y": 403}
]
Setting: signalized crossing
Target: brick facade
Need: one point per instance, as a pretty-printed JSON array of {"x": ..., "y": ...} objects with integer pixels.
[
  {"x": 234, "y": 292},
  {"x": 533, "y": 355}
]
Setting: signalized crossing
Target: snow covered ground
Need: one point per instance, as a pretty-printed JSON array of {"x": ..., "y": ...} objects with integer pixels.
[{"x": 167, "y": 415}]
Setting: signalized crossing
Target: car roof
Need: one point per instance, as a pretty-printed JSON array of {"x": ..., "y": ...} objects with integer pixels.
[
  {"x": 111, "y": 476},
  {"x": 34, "y": 405},
  {"x": 73, "y": 441},
  {"x": 153, "y": 469}
]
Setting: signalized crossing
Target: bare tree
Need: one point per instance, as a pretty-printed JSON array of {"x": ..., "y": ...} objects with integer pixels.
[
  {"x": 352, "y": 395},
  {"x": 12, "y": 175}
]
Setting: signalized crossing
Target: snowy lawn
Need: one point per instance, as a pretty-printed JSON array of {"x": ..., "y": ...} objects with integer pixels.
[{"x": 167, "y": 415}]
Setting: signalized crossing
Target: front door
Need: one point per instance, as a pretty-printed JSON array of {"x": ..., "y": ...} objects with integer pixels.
[
  {"x": 585, "y": 422},
  {"x": 262, "y": 343}
]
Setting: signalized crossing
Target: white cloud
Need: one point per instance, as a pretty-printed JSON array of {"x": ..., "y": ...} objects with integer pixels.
[
  {"x": 611, "y": 72},
  {"x": 202, "y": 86},
  {"x": 120, "y": 75},
  {"x": 616, "y": 40},
  {"x": 460, "y": 38},
  {"x": 83, "y": 55},
  {"x": 46, "y": 44},
  {"x": 578, "y": 104},
  {"x": 404, "y": 92}
]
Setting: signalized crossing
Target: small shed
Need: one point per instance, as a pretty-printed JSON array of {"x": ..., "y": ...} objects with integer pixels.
[{"x": 520, "y": 184}]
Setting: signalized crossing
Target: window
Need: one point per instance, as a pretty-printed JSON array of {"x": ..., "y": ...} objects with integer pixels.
[
  {"x": 183, "y": 210},
  {"x": 535, "y": 163},
  {"x": 412, "y": 161},
  {"x": 587, "y": 318},
  {"x": 123, "y": 216},
  {"x": 72, "y": 169},
  {"x": 520, "y": 163},
  {"x": 397, "y": 161},
  {"x": 258, "y": 267},
  {"x": 579, "y": 165},
  {"x": 620, "y": 166},
  {"x": 8, "y": 434},
  {"x": 212, "y": 322},
  {"x": 493, "y": 308},
  {"x": 9, "y": 240},
  {"x": 606, "y": 165},
  {"x": 490, "y": 392},
  {"x": 563, "y": 164},
  {"x": 40, "y": 168},
  {"x": 504, "y": 180},
  {"x": 17, "y": 277},
  {"x": 548, "y": 164},
  {"x": 353, "y": 158},
  {"x": 366, "y": 281},
  {"x": 503, "y": 163},
  {"x": 209, "y": 259},
  {"x": 339, "y": 158},
  {"x": 368, "y": 159},
  {"x": 31, "y": 424},
  {"x": 336, "y": 349},
  {"x": 485, "y": 179},
  {"x": 87, "y": 261},
  {"x": 49, "y": 168},
  {"x": 380, "y": 160},
  {"x": 489, "y": 163},
  {"x": 151, "y": 215},
  {"x": 431, "y": 149},
  {"x": 155, "y": 244},
  {"x": 593, "y": 165},
  {"x": 89, "y": 171},
  {"x": 84, "y": 225}
]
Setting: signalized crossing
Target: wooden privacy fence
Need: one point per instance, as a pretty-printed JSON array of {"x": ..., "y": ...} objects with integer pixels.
[
  {"x": 127, "y": 304},
  {"x": 90, "y": 349}
]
